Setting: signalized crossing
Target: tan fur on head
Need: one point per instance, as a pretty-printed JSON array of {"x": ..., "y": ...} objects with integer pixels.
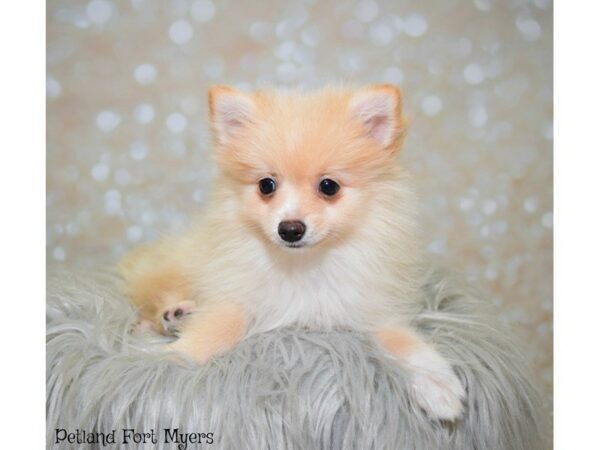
[
  {"x": 347, "y": 135},
  {"x": 346, "y": 126}
]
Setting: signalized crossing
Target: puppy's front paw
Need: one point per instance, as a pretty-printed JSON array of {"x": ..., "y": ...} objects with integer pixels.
[
  {"x": 436, "y": 388},
  {"x": 173, "y": 316}
]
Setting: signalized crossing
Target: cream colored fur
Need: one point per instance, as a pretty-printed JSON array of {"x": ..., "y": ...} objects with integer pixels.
[{"x": 360, "y": 265}]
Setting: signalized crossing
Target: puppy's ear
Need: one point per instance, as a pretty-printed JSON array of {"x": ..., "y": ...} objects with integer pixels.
[
  {"x": 230, "y": 111},
  {"x": 379, "y": 109}
]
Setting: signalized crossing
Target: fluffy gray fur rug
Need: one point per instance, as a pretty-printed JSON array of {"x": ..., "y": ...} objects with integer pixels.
[{"x": 287, "y": 389}]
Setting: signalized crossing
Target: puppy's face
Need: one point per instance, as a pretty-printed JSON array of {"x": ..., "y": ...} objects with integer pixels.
[{"x": 305, "y": 166}]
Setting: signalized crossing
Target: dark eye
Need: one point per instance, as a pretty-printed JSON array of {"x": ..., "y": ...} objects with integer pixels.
[
  {"x": 328, "y": 187},
  {"x": 267, "y": 186}
]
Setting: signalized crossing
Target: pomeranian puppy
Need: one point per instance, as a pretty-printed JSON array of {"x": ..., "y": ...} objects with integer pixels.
[{"x": 312, "y": 222}]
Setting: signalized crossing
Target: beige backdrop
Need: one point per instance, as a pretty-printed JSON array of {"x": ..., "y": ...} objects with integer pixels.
[{"x": 128, "y": 141}]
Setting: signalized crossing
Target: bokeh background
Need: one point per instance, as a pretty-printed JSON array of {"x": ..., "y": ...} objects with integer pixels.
[{"x": 128, "y": 143}]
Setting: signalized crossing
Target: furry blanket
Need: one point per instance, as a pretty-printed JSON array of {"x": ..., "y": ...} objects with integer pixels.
[{"x": 287, "y": 389}]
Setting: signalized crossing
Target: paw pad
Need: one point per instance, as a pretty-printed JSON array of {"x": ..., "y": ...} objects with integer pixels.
[{"x": 173, "y": 316}]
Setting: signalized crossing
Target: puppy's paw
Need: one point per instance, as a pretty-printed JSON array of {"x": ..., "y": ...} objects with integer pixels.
[
  {"x": 173, "y": 316},
  {"x": 435, "y": 386}
]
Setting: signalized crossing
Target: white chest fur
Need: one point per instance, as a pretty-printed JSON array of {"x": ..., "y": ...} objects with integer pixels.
[{"x": 339, "y": 289}]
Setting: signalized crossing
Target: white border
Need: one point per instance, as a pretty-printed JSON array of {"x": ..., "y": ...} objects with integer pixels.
[
  {"x": 577, "y": 227},
  {"x": 22, "y": 223}
]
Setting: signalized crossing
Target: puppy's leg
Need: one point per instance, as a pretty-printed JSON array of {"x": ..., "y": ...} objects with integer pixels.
[
  {"x": 436, "y": 388},
  {"x": 157, "y": 283},
  {"x": 213, "y": 329}
]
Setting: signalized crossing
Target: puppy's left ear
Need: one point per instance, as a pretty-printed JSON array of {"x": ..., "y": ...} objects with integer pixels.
[
  {"x": 379, "y": 109},
  {"x": 230, "y": 112}
]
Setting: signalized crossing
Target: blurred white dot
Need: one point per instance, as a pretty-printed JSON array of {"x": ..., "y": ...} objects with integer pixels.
[
  {"x": 474, "y": 73},
  {"x": 286, "y": 28},
  {"x": 380, "y": 34},
  {"x": 485, "y": 231},
  {"x": 100, "y": 172},
  {"x": 198, "y": 196},
  {"x": 310, "y": 37},
  {"x": 415, "y": 25},
  {"x": 122, "y": 177},
  {"x": 465, "y": 203},
  {"x": 543, "y": 330},
  {"x": 489, "y": 207},
  {"x": 72, "y": 228},
  {"x": 202, "y": 10},
  {"x": 529, "y": 28},
  {"x": 138, "y": 150},
  {"x": 304, "y": 57},
  {"x": 393, "y": 75},
  {"x": 148, "y": 217},
  {"x": 214, "y": 68},
  {"x": 431, "y": 105},
  {"x": 530, "y": 204},
  {"x": 81, "y": 22},
  {"x": 478, "y": 116},
  {"x": 547, "y": 220},
  {"x": 143, "y": 113},
  {"x": 285, "y": 50},
  {"x": 491, "y": 273},
  {"x": 176, "y": 122},
  {"x": 547, "y": 305},
  {"x": 59, "y": 253},
  {"x": 483, "y": 5},
  {"x": 98, "y": 11},
  {"x": 398, "y": 23},
  {"x": 112, "y": 202},
  {"x": 434, "y": 67},
  {"x": 350, "y": 62},
  {"x": 145, "y": 73},
  {"x": 107, "y": 121},
  {"x": 135, "y": 233},
  {"x": 53, "y": 87},
  {"x": 366, "y": 11},
  {"x": 259, "y": 31},
  {"x": 181, "y": 32}
]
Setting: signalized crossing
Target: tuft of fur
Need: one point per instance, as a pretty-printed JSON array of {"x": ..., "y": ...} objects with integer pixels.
[{"x": 289, "y": 388}]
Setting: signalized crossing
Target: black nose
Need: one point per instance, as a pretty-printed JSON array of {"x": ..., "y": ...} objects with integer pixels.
[{"x": 291, "y": 230}]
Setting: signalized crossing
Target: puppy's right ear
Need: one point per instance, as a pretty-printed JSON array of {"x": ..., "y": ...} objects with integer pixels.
[{"x": 230, "y": 112}]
